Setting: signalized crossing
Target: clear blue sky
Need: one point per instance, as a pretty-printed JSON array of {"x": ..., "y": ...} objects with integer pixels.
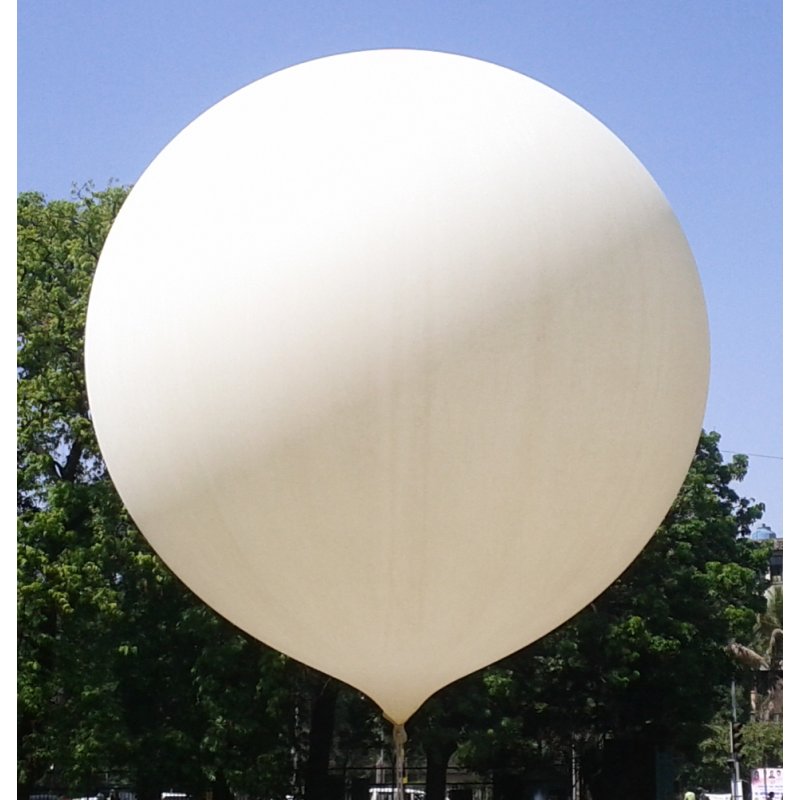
[{"x": 693, "y": 88}]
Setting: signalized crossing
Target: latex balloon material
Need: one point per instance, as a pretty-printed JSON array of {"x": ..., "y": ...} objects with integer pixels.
[{"x": 398, "y": 359}]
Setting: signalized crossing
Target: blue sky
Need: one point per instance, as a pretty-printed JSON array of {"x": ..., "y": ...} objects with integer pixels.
[{"x": 693, "y": 88}]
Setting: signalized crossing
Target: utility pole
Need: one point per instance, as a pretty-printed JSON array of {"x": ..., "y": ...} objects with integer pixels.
[
  {"x": 576, "y": 771},
  {"x": 736, "y": 746}
]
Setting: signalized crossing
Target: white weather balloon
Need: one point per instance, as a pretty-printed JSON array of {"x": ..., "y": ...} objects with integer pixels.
[{"x": 398, "y": 359}]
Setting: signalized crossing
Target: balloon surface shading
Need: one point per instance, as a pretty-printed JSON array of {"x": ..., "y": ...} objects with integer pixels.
[{"x": 398, "y": 359}]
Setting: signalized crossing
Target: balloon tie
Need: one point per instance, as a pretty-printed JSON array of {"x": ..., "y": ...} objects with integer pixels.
[{"x": 400, "y": 738}]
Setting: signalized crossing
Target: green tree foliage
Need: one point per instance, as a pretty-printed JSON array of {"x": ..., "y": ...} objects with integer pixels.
[
  {"x": 759, "y": 701},
  {"x": 762, "y": 747},
  {"x": 762, "y": 660},
  {"x": 73, "y": 541}
]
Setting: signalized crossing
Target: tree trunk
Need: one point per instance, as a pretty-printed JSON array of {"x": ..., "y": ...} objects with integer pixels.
[
  {"x": 506, "y": 787},
  {"x": 437, "y": 757},
  {"x": 222, "y": 791},
  {"x": 624, "y": 768},
  {"x": 24, "y": 790},
  {"x": 320, "y": 741}
]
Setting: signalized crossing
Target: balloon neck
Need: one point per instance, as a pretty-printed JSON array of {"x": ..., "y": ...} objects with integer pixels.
[{"x": 400, "y": 738}]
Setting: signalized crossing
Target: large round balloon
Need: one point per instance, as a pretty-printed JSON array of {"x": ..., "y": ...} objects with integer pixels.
[{"x": 398, "y": 359}]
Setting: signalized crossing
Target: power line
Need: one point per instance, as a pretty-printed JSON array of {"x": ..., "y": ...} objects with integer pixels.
[{"x": 751, "y": 455}]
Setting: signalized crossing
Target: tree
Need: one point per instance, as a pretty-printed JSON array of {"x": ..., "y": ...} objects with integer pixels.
[
  {"x": 762, "y": 747},
  {"x": 442, "y": 724},
  {"x": 73, "y": 540},
  {"x": 761, "y": 674},
  {"x": 762, "y": 657}
]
